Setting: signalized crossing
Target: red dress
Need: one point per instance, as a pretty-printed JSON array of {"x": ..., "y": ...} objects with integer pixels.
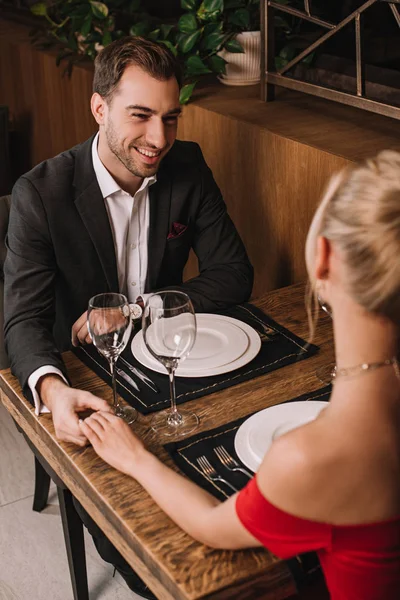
[{"x": 360, "y": 562}]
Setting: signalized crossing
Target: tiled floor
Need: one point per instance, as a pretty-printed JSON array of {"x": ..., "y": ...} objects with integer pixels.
[{"x": 33, "y": 560}]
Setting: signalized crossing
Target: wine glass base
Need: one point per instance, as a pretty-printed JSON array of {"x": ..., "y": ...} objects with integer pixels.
[
  {"x": 161, "y": 423},
  {"x": 127, "y": 413}
]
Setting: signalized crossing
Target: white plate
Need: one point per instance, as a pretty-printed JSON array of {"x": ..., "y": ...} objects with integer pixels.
[
  {"x": 255, "y": 436},
  {"x": 222, "y": 345}
]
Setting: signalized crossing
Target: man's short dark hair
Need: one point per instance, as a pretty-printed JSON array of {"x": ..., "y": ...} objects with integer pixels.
[{"x": 155, "y": 59}]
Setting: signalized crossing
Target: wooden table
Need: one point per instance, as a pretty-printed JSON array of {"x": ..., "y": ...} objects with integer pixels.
[{"x": 173, "y": 565}]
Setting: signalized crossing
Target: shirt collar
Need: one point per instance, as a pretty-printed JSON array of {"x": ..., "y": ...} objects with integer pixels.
[{"x": 107, "y": 183}]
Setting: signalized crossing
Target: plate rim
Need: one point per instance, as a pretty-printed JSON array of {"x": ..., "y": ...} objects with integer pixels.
[
  {"x": 252, "y": 351},
  {"x": 250, "y": 460}
]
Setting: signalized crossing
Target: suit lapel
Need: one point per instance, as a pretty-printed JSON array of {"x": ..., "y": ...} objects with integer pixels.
[
  {"x": 91, "y": 207},
  {"x": 160, "y": 203}
]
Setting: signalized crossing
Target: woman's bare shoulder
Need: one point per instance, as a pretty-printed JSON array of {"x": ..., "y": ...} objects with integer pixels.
[{"x": 299, "y": 472}]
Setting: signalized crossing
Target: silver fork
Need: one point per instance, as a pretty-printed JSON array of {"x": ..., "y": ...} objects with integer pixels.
[
  {"x": 229, "y": 462},
  {"x": 209, "y": 471}
]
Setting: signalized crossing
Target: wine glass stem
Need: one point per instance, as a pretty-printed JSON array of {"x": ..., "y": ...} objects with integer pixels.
[
  {"x": 114, "y": 383},
  {"x": 171, "y": 375}
]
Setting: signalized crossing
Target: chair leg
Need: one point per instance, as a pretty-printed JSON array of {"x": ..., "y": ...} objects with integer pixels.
[
  {"x": 75, "y": 544},
  {"x": 42, "y": 486}
]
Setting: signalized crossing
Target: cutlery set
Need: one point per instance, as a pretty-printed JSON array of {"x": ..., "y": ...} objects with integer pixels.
[
  {"x": 138, "y": 373},
  {"x": 227, "y": 461}
]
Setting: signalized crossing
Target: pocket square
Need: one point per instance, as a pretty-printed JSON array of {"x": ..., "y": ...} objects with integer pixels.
[{"x": 177, "y": 229}]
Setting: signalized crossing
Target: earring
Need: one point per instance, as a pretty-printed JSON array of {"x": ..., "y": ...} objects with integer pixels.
[{"x": 319, "y": 289}]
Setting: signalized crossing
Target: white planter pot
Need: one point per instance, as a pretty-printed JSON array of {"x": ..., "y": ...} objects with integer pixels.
[{"x": 243, "y": 68}]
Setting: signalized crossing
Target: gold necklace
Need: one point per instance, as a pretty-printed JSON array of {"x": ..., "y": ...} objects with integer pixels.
[{"x": 365, "y": 368}]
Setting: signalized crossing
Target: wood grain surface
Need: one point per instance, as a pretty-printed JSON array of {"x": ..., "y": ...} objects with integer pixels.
[{"x": 173, "y": 565}]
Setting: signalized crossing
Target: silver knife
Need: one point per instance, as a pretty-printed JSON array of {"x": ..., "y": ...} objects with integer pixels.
[
  {"x": 127, "y": 378},
  {"x": 142, "y": 376}
]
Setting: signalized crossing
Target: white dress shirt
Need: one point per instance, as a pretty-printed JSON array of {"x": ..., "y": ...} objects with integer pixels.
[{"x": 129, "y": 219}]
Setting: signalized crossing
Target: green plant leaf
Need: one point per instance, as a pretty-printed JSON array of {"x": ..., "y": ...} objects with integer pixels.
[
  {"x": 39, "y": 9},
  {"x": 154, "y": 35},
  {"x": 189, "y": 4},
  {"x": 87, "y": 24},
  {"x": 211, "y": 6},
  {"x": 280, "y": 63},
  {"x": 288, "y": 52},
  {"x": 233, "y": 45},
  {"x": 217, "y": 64},
  {"x": 187, "y": 42},
  {"x": 166, "y": 30},
  {"x": 195, "y": 66},
  {"x": 107, "y": 39},
  {"x": 213, "y": 41},
  {"x": 187, "y": 23},
  {"x": 241, "y": 18},
  {"x": 170, "y": 47},
  {"x": 308, "y": 59},
  {"x": 210, "y": 28},
  {"x": 134, "y": 5},
  {"x": 186, "y": 92},
  {"x": 139, "y": 29},
  {"x": 100, "y": 10}
]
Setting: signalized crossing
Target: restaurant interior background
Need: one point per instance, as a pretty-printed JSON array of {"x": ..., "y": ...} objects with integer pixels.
[{"x": 270, "y": 159}]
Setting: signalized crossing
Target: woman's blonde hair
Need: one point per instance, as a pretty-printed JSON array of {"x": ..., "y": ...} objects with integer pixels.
[{"x": 360, "y": 214}]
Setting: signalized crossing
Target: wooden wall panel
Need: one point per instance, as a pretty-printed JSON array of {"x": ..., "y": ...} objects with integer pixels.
[
  {"x": 271, "y": 186},
  {"x": 49, "y": 112}
]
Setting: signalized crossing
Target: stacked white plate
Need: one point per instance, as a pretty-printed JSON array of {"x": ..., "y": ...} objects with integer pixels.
[
  {"x": 255, "y": 436},
  {"x": 222, "y": 345}
]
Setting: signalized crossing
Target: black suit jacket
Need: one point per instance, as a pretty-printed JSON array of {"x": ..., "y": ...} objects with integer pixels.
[{"x": 60, "y": 249}]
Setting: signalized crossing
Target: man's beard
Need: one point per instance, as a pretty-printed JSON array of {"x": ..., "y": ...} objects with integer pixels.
[{"x": 126, "y": 159}]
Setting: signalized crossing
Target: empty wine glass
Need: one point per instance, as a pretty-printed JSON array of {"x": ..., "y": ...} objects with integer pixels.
[
  {"x": 110, "y": 324},
  {"x": 169, "y": 332}
]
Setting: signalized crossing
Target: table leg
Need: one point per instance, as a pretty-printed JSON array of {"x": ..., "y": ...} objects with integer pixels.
[
  {"x": 75, "y": 544},
  {"x": 42, "y": 486}
]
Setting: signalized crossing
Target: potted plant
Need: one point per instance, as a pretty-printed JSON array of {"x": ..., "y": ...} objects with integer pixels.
[
  {"x": 204, "y": 37},
  {"x": 242, "y": 19}
]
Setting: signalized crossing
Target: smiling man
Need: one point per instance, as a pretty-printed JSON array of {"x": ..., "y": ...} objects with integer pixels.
[{"x": 119, "y": 213}]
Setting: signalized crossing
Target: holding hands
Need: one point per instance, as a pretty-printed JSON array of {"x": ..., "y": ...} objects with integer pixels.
[{"x": 113, "y": 440}]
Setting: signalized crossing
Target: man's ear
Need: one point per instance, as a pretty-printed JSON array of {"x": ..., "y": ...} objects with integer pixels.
[
  {"x": 98, "y": 107},
  {"x": 322, "y": 259}
]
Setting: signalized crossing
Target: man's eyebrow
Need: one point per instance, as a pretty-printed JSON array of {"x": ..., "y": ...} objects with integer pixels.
[
  {"x": 150, "y": 111},
  {"x": 141, "y": 108}
]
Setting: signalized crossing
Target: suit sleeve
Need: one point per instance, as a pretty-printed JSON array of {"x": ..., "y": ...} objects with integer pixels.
[
  {"x": 29, "y": 274},
  {"x": 226, "y": 275}
]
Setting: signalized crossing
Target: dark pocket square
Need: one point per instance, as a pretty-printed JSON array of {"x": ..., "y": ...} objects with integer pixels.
[{"x": 177, "y": 229}]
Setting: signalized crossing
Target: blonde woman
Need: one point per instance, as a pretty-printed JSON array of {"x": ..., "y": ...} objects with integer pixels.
[{"x": 333, "y": 485}]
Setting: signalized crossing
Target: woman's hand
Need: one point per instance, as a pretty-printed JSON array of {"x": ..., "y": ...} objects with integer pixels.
[{"x": 113, "y": 440}]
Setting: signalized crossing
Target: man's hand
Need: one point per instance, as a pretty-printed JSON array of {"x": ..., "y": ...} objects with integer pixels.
[
  {"x": 80, "y": 333},
  {"x": 114, "y": 441},
  {"x": 65, "y": 403}
]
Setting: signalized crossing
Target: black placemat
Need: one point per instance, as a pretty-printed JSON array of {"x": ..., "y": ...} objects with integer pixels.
[
  {"x": 283, "y": 349},
  {"x": 305, "y": 568},
  {"x": 186, "y": 452}
]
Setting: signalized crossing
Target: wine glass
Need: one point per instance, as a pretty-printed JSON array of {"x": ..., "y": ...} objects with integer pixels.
[
  {"x": 110, "y": 324},
  {"x": 169, "y": 332},
  {"x": 327, "y": 373}
]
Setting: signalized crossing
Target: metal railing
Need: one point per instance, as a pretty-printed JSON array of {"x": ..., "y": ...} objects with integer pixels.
[{"x": 272, "y": 77}]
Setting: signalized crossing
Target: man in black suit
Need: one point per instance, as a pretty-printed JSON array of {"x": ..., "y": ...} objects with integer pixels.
[{"x": 119, "y": 212}]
